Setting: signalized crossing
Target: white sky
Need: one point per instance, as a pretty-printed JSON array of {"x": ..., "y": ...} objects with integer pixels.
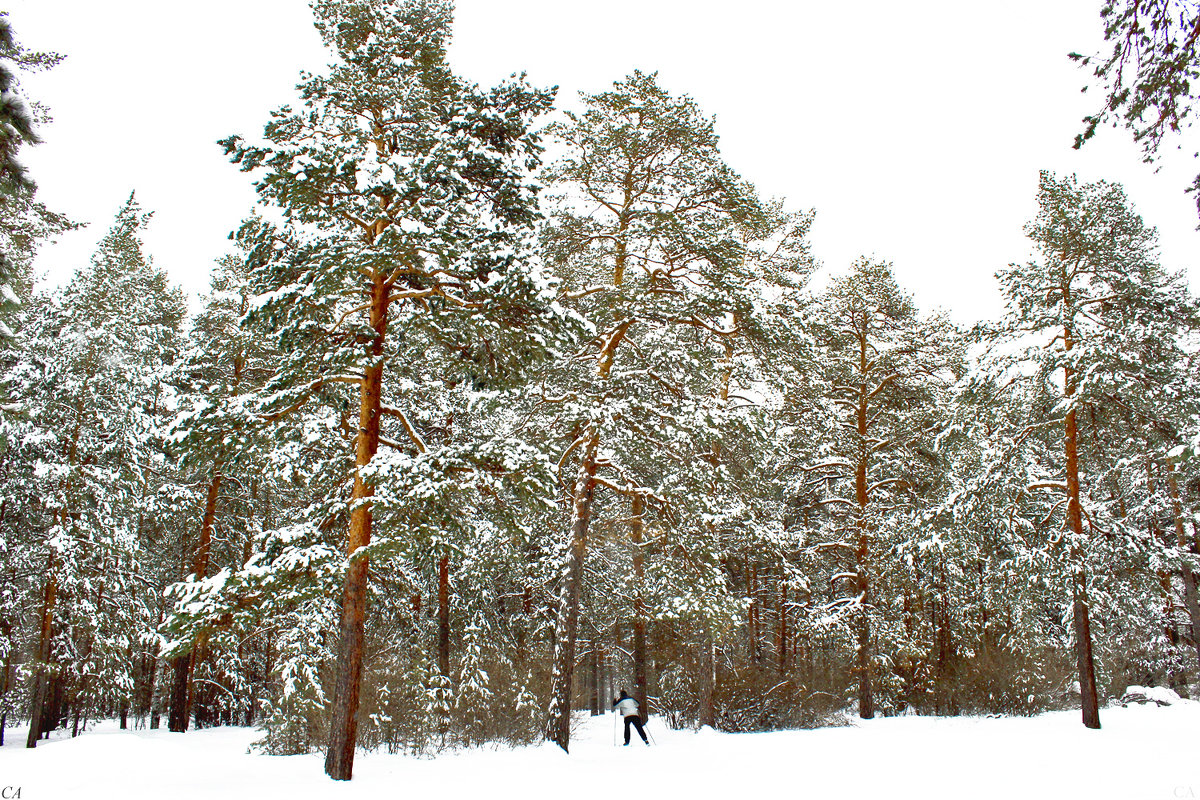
[{"x": 915, "y": 129}]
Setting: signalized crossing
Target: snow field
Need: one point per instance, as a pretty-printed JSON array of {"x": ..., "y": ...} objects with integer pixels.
[{"x": 1142, "y": 753}]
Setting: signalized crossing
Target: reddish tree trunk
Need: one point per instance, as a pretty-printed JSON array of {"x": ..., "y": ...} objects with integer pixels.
[
  {"x": 558, "y": 726},
  {"x": 522, "y": 655},
  {"x": 1082, "y": 624},
  {"x": 343, "y": 724},
  {"x": 558, "y": 723},
  {"x": 56, "y": 713},
  {"x": 940, "y": 610},
  {"x": 182, "y": 666},
  {"x": 636, "y": 528},
  {"x": 708, "y": 681},
  {"x": 755, "y": 653},
  {"x": 178, "y": 714},
  {"x": 444, "y": 615},
  {"x": 1190, "y": 599},
  {"x": 862, "y": 621},
  {"x": 594, "y": 680},
  {"x": 38, "y": 702},
  {"x": 783, "y": 628}
]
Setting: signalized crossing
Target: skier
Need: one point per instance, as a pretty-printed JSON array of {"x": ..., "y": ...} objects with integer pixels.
[{"x": 629, "y": 709}]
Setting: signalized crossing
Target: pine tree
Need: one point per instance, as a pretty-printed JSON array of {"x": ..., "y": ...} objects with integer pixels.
[
  {"x": 1077, "y": 325},
  {"x": 103, "y": 351},
  {"x": 884, "y": 368},
  {"x": 24, "y": 222},
  {"x": 217, "y": 437},
  {"x": 408, "y": 203},
  {"x": 652, "y": 234},
  {"x": 17, "y": 118}
]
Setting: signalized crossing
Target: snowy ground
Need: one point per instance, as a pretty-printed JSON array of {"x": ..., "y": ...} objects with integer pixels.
[{"x": 1143, "y": 753}]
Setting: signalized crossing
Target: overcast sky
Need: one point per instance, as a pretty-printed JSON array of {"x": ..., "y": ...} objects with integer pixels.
[{"x": 916, "y": 129}]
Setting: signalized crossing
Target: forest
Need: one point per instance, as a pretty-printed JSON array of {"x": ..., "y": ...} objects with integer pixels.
[{"x": 500, "y": 408}]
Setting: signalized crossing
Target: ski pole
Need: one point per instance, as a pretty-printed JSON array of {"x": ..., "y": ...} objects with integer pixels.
[{"x": 614, "y": 716}]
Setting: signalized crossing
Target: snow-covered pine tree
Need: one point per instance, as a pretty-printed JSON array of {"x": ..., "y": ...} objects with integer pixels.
[
  {"x": 25, "y": 223},
  {"x": 407, "y": 193},
  {"x": 651, "y": 234},
  {"x": 983, "y": 645},
  {"x": 760, "y": 394},
  {"x": 1078, "y": 324},
  {"x": 1133, "y": 442},
  {"x": 102, "y": 348},
  {"x": 218, "y": 438},
  {"x": 17, "y": 118},
  {"x": 1138, "y": 438},
  {"x": 883, "y": 369},
  {"x": 22, "y": 516}
]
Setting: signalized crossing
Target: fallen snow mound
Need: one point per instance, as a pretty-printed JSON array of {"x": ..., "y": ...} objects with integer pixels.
[{"x": 1159, "y": 695}]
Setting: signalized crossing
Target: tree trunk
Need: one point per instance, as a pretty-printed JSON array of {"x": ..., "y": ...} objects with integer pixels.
[
  {"x": 522, "y": 655},
  {"x": 558, "y": 723},
  {"x": 58, "y": 709},
  {"x": 443, "y": 650},
  {"x": 182, "y": 666},
  {"x": 558, "y": 726},
  {"x": 151, "y": 691},
  {"x": 594, "y": 680},
  {"x": 5, "y": 685},
  {"x": 1083, "y": 655},
  {"x": 636, "y": 529},
  {"x": 40, "y": 721},
  {"x": 41, "y": 681},
  {"x": 862, "y": 627},
  {"x": 179, "y": 711},
  {"x": 123, "y": 708},
  {"x": 621, "y": 239},
  {"x": 1190, "y": 599},
  {"x": 606, "y": 684},
  {"x": 1083, "y": 630},
  {"x": 783, "y": 629},
  {"x": 940, "y": 610},
  {"x": 862, "y": 622},
  {"x": 708, "y": 681},
  {"x": 866, "y": 697},
  {"x": 755, "y": 653},
  {"x": 343, "y": 726}
]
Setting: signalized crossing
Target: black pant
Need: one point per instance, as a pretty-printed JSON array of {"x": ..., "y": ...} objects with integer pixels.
[{"x": 635, "y": 721}]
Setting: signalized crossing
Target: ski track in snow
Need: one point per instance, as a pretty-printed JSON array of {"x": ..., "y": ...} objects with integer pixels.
[{"x": 1142, "y": 753}]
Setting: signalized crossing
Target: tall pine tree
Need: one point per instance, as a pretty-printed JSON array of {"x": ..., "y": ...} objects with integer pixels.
[{"x": 408, "y": 201}]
